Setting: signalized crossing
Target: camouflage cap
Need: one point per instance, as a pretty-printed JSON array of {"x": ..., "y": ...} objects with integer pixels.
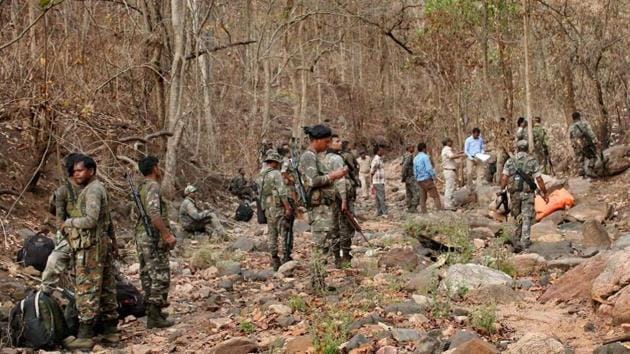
[
  {"x": 272, "y": 155},
  {"x": 522, "y": 144},
  {"x": 190, "y": 189}
]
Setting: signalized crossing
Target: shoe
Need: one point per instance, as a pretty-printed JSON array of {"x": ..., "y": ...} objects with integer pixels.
[
  {"x": 275, "y": 262},
  {"x": 155, "y": 319},
  {"x": 84, "y": 339},
  {"x": 109, "y": 331}
]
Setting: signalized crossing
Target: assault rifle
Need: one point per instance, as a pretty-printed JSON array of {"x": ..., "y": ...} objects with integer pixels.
[
  {"x": 503, "y": 201},
  {"x": 548, "y": 160},
  {"x": 299, "y": 187},
  {"x": 135, "y": 194},
  {"x": 530, "y": 182},
  {"x": 356, "y": 225}
]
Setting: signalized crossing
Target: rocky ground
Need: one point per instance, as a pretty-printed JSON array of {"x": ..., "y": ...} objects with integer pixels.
[{"x": 442, "y": 282}]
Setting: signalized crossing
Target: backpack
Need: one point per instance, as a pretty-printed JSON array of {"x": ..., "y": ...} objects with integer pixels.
[
  {"x": 35, "y": 251},
  {"x": 130, "y": 300},
  {"x": 244, "y": 212},
  {"x": 37, "y": 322}
]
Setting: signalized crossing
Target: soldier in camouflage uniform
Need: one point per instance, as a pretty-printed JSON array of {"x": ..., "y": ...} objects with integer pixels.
[
  {"x": 240, "y": 186},
  {"x": 342, "y": 231},
  {"x": 289, "y": 176},
  {"x": 95, "y": 285},
  {"x": 346, "y": 229},
  {"x": 274, "y": 201},
  {"x": 194, "y": 220},
  {"x": 318, "y": 178},
  {"x": 541, "y": 149},
  {"x": 153, "y": 248},
  {"x": 583, "y": 142},
  {"x": 521, "y": 193},
  {"x": 412, "y": 193}
]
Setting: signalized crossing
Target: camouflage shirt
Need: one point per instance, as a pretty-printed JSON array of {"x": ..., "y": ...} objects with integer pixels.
[
  {"x": 540, "y": 137},
  {"x": 581, "y": 135},
  {"x": 353, "y": 165},
  {"x": 152, "y": 201},
  {"x": 65, "y": 201},
  {"x": 93, "y": 206},
  {"x": 273, "y": 192},
  {"x": 189, "y": 213},
  {"x": 406, "y": 173},
  {"x": 335, "y": 161},
  {"x": 314, "y": 171},
  {"x": 527, "y": 164},
  {"x": 290, "y": 185}
]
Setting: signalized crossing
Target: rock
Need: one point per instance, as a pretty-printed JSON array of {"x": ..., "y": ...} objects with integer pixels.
[
  {"x": 472, "y": 276},
  {"x": 460, "y": 337},
  {"x": 462, "y": 197},
  {"x": 418, "y": 319},
  {"x": 486, "y": 194},
  {"x": 477, "y": 346},
  {"x": 238, "y": 345},
  {"x": 220, "y": 323},
  {"x": 553, "y": 183},
  {"x": 461, "y": 320},
  {"x": 493, "y": 293},
  {"x": 618, "y": 159},
  {"x": 288, "y": 267},
  {"x": 612, "y": 348},
  {"x": 204, "y": 292},
  {"x": 589, "y": 211},
  {"x": 285, "y": 321},
  {"x": 254, "y": 275},
  {"x": 589, "y": 327},
  {"x": 366, "y": 264},
  {"x": 594, "y": 235},
  {"x": 404, "y": 258},
  {"x": 423, "y": 281},
  {"x": 229, "y": 268},
  {"x": 565, "y": 263},
  {"x": 479, "y": 243},
  {"x": 428, "y": 344},
  {"x": 244, "y": 244},
  {"x": 226, "y": 284},
  {"x": 421, "y": 300},
  {"x": 369, "y": 319},
  {"x": 622, "y": 242},
  {"x": 282, "y": 310},
  {"x": 536, "y": 343},
  {"x": 524, "y": 284},
  {"x": 388, "y": 349},
  {"x": 403, "y": 335},
  {"x": 142, "y": 349},
  {"x": 298, "y": 345},
  {"x": 527, "y": 264},
  {"x": 545, "y": 231},
  {"x": 406, "y": 308},
  {"x": 613, "y": 286},
  {"x": 556, "y": 217},
  {"x": 576, "y": 283},
  {"x": 355, "y": 342},
  {"x": 579, "y": 187},
  {"x": 552, "y": 250},
  {"x": 482, "y": 232}
]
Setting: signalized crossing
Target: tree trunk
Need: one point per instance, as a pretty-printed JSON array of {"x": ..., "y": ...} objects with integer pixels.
[
  {"x": 528, "y": 98},
  {"x": 569, "y": 92}
]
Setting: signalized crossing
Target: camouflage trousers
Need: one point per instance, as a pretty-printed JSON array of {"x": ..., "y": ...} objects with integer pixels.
[
  {"x": 275, "y": 227},
  {"x": 322, "y": 226},
  {"x": 95, "y": 283},
  {"x": 210, "y": 225},
  {"x": 524, "y": 213},
  {"x": 342, "y": 231},
  {"x": 412, "y": 194},
  {"x": 155, "y": 273},
  {"x": 585, "y": 164},
  {"x": 58, "y": 262}
]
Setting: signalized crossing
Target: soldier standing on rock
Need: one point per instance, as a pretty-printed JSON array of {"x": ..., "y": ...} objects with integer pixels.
[
  {"x": 318, "y": 178},
  {"x": 274, "y": 201},
  {"x": 583, "y": 142},
  {"x": 155, "y": 273},
  {"x": 95, "y": 284},
  {"x": 412, "y": 193},
  {"x": 520, "y": 175}
]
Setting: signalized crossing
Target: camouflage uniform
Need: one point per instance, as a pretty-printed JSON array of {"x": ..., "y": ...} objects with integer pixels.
[
  {"x": 294, "y": 201},
  {"x": 583, "y": 143},
  {"x": 240, "y": 187},
  {"x": 412, "y": 193},
  {"x": 521, "y": 195},
  {"x": 273, "y": 193},
  {"x": 95, "y": 285},
  {"x": 194, "y": 220},
  {"x": 321, "y": 194},
  {"x": 353, "y": 183},
  {"x": 155, "y": 273},
  {"x": 60, "y": 258},
  {"x": 341, "y": 188},
  {"x": 540, "y": 145}
]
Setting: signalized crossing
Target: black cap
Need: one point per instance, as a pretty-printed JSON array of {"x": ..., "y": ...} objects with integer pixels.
[{"x": 318, "y": 131}]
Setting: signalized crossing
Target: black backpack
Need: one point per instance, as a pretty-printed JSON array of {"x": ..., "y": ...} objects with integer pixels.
[
  {"x": 130, "y": 300},
  {"x": 244, "y": 212},
  {"x": 37, "y": 322},
  {"x": 35, "y": 251}
]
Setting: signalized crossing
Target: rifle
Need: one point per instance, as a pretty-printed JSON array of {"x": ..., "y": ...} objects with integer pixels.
[
  {"x": 530, "y": 182},
  {"x": 548, "y": 160},
  {"x": 146, "y": 222},
  {"x": 288, "y": 229},
  {"x": 505, "y": 203},
  {"x": 299, "y": 187},
  {"x": 356, "y": 225}
]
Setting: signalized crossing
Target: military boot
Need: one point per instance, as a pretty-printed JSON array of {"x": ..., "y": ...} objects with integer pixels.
[
  {"x": 109, "y": 331},
  {"x": 155, "y": 319},
  {"x": 84, "y": 339},
  {"x": 286, "y": 258},
  {"x": 275, "y": 262}
]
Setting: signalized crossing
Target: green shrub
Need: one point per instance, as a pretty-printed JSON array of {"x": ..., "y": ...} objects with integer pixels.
[{"x": 484, "y": 318}]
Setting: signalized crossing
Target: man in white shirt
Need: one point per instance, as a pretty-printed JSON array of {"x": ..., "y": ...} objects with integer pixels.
[
  {"x": 364, "y": 173},
  {"x": 449, "y": 169},
  {"x": 377, "y": 171}
]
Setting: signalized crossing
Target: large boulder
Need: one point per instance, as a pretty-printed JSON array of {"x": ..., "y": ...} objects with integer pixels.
[
  {"x": 493, "y": 294},
  {"x": 404, "y": 258},
  {"x": 423, "y": 282},
  {"x": 614, "y": 277},
  {"x": 617, "y": 159},
  {"x": 576, "y": 284},
  {"x": 552, "y": 250},
  {"x": 536, "y": 343},
  {"x": 590, "y": 210},
  {"x": 553, "y": 183},
  {"x": 237, "y": 345},
  {"x": 594, "y": 234},
  {"x": 622, "y": 242},
  {"x": 472, "y": 276},
  {"x": 475, "y": 345},
  {"x": 529, "y": 263},
  {"x": 545, "y": 231},
  {"x": 463, "y": 197}
]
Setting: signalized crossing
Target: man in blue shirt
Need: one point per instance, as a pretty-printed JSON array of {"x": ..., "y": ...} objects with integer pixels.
[
  {"x": 474, "y": 167},
  {"x": 425, "y": 176}
]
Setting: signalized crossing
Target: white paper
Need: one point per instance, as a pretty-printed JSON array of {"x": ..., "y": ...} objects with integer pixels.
[{"x": 482, "y": 157}]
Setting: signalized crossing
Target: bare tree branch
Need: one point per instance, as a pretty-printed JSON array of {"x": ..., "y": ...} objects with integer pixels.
[
  {"x": 216, "y": 49},
  {"x": 25, "y": 30}
]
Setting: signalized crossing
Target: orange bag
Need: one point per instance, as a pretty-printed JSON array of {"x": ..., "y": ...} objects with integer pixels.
[{"x": 558, "y": 199}]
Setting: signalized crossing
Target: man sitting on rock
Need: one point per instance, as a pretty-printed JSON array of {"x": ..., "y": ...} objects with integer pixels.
[{"x": 194, "y": 220}]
